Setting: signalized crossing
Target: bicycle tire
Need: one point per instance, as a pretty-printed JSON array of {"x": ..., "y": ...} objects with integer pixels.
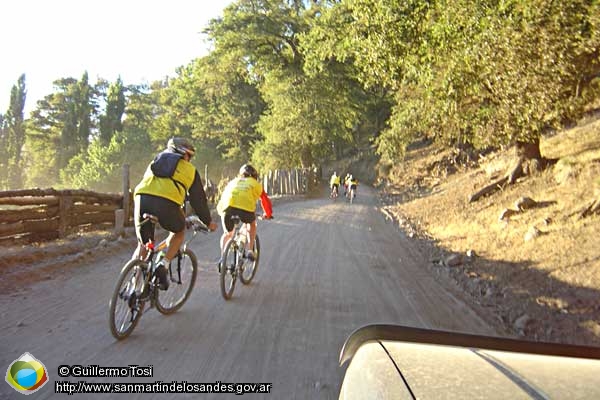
[
  {"x": 170, "y": 300},
  {"x": 231, "y": 257},
  {"x": 249, "y": 270},
  {"x": 120, "y": 327}
]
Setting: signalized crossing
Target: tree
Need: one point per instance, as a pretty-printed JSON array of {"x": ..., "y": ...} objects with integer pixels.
[
  {"x": 100, "y": 168},
  {"x": 480, "y": 73},
  {"x": 13, "y": 138},
  {"x": 306, "y": 117},
  {"x": 312, "y": 113},
  {"x": 60, "y": 128},
  {"x": 111, "y": 121}
]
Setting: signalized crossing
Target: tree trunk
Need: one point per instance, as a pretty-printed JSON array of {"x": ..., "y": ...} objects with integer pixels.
[
  {"x": 528, "y": 150},
  {"x": 529, "y": 160}
]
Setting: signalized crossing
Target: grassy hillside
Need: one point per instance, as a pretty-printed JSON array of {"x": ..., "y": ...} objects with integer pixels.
[{"x": 536, "y": 271}]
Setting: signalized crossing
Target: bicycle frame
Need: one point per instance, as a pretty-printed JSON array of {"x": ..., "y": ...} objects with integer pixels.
[{"x": 152, "y": 250}]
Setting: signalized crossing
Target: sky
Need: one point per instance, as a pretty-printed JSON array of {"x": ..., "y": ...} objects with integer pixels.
[{"x": 139, "y": 40}]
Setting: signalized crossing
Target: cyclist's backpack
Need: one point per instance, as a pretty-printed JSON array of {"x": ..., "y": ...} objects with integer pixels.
[{"x": 165, "y": 163}]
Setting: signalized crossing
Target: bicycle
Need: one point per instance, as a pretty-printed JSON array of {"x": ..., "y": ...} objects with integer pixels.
[
  {"x": 334, "y": 193},
  {"x": 234, "y": 262},
  {"x": 351, "y": 194},
  {"x": 138, "y": 284}
]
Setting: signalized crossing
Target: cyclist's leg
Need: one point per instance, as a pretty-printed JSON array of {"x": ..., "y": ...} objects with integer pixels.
[
  {"x": 171, "y": 217},
  {"x": 144, "y": 232},
  {"x": 249, "y": 218},
  {"x": 174, "y": 242},
  {"x": 227, "y": 228}
]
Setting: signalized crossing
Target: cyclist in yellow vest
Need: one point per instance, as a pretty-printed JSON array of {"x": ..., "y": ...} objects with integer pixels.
[
  {"x": 168, "y": 180},
  {"x": 239, "y": 198},
  {"x": 334, "y": 184}
]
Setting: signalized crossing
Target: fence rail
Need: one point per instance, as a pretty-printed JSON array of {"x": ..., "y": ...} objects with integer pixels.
[{"x": 33, "y": 215}]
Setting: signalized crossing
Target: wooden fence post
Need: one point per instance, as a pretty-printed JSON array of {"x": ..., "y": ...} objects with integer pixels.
[
  {"x": 65, "y": 203},
  {"x": 126, "y": 199},
  {"x": 119, "y": 222}
]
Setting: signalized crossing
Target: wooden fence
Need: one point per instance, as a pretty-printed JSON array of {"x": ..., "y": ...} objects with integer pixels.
[
  {"x": 290, "y": 182},
  {"x": 34, "y": 215},
  {"x": 44, "y": 214}
]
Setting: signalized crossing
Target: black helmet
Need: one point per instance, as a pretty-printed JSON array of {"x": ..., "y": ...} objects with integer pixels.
[
  {"x": 181, "y": 146},
  {"x": 249, "y": 170}
]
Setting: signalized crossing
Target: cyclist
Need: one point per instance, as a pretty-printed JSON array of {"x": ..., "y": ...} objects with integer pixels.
[
  {"x": 239, "y": 198},
  {"x": 352, "y": 185},
  {"x": 169, "y": 178},
  {"x": 346, "y": 180},
  {"x": 334, "y": 184}
]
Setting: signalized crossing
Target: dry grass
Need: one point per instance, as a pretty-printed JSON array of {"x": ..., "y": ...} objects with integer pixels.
[{"x": 556, "y": 276}]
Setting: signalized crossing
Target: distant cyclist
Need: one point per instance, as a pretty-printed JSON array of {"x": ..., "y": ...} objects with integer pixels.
[
  {"x": 346, "y": 181},
  {"x": 334, "y": 184},
  {"x": 352, "y": 186},
  {"x": 239, "y": 198},
  {"x": 168, "y": 180}
]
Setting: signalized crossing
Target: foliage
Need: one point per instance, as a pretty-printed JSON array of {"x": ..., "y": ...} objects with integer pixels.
[
  {"x": 60, "y": 128},
  {"x": 306, "y": 116},
  {"x": 111, "y": 121},
  {"x": 294, "y": 83},
  {"x": 479, "y": 72},
  {"x": 12, "y": 138},
  {"x": 100, "y": 168}
]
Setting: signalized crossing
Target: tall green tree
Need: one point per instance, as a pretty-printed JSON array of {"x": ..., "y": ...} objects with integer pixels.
[
  {"x": 13, "y": 138},
  {"x": 59, "y": 129},
  {"x": 262, "y": 38},
  {"x": 218, "y": 102},
  {"x": 466, "y": 71},
  {"x": 110, "y": 122}
]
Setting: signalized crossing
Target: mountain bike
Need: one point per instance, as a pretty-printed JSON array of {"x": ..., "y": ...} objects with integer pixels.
[
  {"x": 234, "y": 263},
  {"x": 334, "y": 193},
  {"x": 138, "y": 285}
]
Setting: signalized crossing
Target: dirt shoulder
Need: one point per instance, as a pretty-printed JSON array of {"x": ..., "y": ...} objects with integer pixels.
[{"x": 536, "y": 271}]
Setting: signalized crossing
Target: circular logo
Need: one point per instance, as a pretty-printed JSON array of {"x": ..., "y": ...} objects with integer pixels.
[{"x": 26, "y": 374}]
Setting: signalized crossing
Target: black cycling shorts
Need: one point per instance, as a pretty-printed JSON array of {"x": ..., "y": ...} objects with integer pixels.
[
  {"x": 245, "y": 216},
  {"x": 170, "y": 216}
]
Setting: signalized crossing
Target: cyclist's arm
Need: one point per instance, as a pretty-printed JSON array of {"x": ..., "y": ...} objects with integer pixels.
[
  {"x": 265, "y": 203},
  {"x": 198, "y": 200}
]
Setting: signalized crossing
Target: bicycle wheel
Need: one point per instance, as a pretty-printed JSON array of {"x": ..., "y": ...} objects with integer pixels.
[
  {"x": 127, "y": 303},
  {"x": 249, "y": 268},
  {"x": 183, "y": 277},
  {"x": 231, "y": 257}
]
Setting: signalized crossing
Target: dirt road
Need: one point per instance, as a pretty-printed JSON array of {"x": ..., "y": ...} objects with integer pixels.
[{"x": 326, "y": 269}]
